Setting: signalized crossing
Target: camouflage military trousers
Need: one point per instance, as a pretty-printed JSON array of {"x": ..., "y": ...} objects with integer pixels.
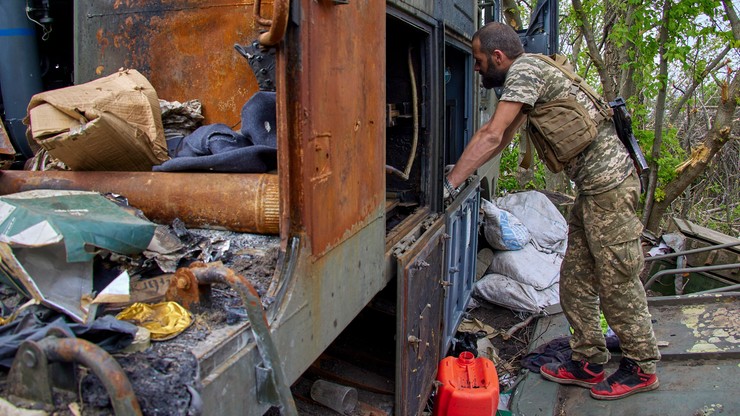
[{"x": 600, "y": 272}]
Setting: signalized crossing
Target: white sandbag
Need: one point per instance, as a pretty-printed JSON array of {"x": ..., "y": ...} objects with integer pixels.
[
  {"x": 545, "y": 223},
  {"x": 528, "y": 266},
  {"x": 502, "y": 229},
  {"x": 503, "y": 291}
]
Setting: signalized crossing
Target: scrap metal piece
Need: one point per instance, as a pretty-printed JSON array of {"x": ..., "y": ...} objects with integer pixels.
[
  {"x": 31, "y": 377},
  {"x": 270, "y": 372},
  {"x": 277, "y": 25},
  {"x": 262, "y": 62},
  {"x": 186, "y": 290}
]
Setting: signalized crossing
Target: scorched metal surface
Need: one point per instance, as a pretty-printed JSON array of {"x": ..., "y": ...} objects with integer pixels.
[{"x": 185, "y": 48}]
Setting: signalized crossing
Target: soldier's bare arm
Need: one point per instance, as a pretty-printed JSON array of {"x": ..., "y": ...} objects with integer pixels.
[{"x": 488, "y": 141}]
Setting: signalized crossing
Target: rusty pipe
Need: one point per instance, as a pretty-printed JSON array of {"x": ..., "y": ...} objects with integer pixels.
[
  {"x": 231, "y": 201},
  {"x": 218, "y": 273},
  {"x": 75, "y": 350},
  {"x": 278, "y": 24}
]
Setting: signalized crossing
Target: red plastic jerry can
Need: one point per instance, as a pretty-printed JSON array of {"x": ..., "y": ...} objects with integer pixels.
[{"x": 469, "y": 387}]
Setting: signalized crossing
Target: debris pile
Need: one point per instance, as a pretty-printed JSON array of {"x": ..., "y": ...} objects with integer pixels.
[{"x": 127, "y": 265}]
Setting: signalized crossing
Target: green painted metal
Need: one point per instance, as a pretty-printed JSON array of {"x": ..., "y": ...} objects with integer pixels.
[{"x": 698, "y": 372}]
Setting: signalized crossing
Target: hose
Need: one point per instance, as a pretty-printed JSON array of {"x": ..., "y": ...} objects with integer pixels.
[{"x": 415, "y": 119}]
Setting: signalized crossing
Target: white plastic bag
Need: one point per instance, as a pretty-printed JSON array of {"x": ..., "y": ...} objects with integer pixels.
[
  {"x": 528, "y": 266},
  {"x": 502, "y": 229},
  {"x": 540, "y": 216},
  {"x": 502, "y": 290}
]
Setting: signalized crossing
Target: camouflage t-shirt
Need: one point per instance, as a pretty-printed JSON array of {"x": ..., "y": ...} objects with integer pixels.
[{"x": 605, "y": 163}]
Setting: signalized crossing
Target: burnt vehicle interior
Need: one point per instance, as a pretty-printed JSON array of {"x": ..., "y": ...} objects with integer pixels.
[{"x": 407, "y": 133}]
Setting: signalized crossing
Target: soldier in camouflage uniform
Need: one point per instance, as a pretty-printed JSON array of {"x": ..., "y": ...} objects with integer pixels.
[{"x": 601, "y": 268}]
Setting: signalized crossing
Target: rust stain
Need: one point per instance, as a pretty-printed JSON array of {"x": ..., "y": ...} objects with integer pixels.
[
  {"x": 342, "y": 95},
  {"x": 186, "y": 50}
]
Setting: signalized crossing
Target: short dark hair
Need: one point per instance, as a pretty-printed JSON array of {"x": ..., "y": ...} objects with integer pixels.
[{"x": 496, "y": 35}]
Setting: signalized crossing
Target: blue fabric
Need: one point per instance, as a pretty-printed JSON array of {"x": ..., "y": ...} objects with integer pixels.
[
  {"x": 259, "y": 120},
  {"x": 218, "y": 148},
  {"x": 514, "y": 236}
]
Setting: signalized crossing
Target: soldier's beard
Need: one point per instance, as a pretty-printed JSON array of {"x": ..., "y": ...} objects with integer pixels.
[{"x": 493, "y": 77}]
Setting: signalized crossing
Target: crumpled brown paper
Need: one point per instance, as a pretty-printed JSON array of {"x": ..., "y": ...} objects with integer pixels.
[{"x": 164, "y": 320}]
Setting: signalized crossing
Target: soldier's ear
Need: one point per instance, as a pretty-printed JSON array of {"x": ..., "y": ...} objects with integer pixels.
[{"x": 498, "y": 56}]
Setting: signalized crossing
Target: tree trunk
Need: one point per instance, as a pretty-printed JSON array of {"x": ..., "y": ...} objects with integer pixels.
[
  {"x": 717, "y": 136},
  {"x": 594, "y": 51},
  {"x": 512, "y": 16},
  {"x": 659, "y": 114},
  {"x": 612, "y": 52},
  {"x": 576, "y": 50},
  {"x": 719, "y": 133},
  {"x": 626, "y": 87}
]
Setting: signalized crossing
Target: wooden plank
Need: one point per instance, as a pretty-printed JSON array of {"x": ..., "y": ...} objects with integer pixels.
[{"x": 690, "y": 229}]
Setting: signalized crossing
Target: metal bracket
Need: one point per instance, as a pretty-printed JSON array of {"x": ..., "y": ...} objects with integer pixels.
[
  {"x": 266, "y": 391},
  {"x": 272, "y": 386},
  {"x": 262, "y": 62},
  {"x": 32, "y": 378}
]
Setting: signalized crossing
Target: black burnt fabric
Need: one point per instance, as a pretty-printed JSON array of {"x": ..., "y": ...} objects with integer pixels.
[
  {"x": 106, "y": 332},
  {"x": 558, "y": 351}
]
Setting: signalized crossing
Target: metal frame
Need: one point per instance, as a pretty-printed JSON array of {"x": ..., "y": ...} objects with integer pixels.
[{"x": 682, "y": 260}]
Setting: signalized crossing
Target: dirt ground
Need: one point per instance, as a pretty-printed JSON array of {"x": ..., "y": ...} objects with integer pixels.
[{"x": 511, "y": 350}]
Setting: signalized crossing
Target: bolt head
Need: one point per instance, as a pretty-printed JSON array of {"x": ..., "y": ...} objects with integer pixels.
[
  {"x": 183, "y": 283},
  {"x": 29, "y": 359}
]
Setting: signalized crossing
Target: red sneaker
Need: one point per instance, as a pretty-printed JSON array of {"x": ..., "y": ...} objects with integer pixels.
[
  {"x": 627, "y": 380},
  {"x": 579, "y": 373}
]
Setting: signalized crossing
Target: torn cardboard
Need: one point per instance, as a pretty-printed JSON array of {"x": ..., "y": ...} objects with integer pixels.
[
  {"x": 109, "y": 124},
  {"x": 7, "y": 151},
  {"x": 48, "y": 240}
]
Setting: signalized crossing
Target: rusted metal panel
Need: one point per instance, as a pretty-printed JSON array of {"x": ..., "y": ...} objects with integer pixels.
[
  {"x": 419, "y": 315},
  {"x": 236, "y": 202},
  {"x": 337, "y": 118},
  {"x": 184, "y": 47}
]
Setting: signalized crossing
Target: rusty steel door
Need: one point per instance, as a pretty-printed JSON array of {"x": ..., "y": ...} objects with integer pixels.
[
  {"x": 334, "y": 99},
  {"x": 420, "y": 260}
]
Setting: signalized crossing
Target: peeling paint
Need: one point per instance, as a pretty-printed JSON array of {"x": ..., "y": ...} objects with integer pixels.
[
  {"x": 715, "y": 331},
  {"x": 709, "y": 409}
]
